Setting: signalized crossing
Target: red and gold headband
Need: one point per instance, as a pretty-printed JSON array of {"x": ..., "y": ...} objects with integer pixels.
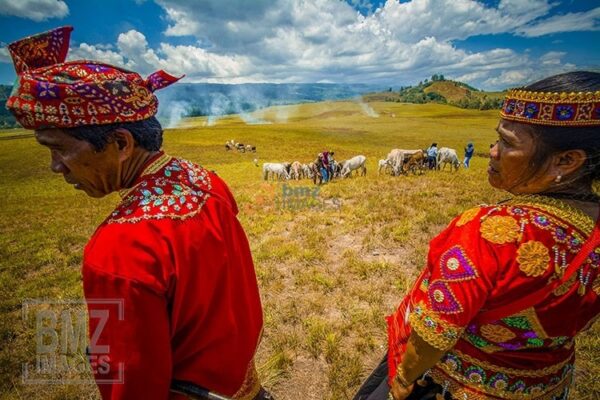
[
  {"x": 50, "y": 92},
  {"x": 555, "y": 109}
]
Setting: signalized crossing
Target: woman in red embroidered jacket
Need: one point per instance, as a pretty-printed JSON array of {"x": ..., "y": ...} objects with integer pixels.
[{"x": 507, "y": 287}]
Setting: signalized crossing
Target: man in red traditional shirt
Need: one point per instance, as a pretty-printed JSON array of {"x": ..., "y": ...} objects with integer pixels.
[{"x": 168, "y": 276}]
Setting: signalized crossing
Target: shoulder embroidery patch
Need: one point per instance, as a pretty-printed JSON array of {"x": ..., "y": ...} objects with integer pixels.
[
  {"x": 468, "y": 216},
  {"x": 499, "y": 229},
  {"x": 455, "y": 265},
  {"x": 442, "y": 299},
  {"x": 533, "y": 258}
]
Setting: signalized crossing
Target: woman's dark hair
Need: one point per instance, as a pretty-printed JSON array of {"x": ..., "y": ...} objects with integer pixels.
[
  {"x": 553, "y": 139},
  {"x": 147, "y": 133}
]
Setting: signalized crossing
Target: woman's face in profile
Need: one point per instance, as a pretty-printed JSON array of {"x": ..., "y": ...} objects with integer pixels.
[{"x": 510, "y": 160}]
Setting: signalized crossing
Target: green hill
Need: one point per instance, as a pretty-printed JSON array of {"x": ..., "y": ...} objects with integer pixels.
[
  {"x": 6, "y": 118},
  {"x": 440, "y": 90}
]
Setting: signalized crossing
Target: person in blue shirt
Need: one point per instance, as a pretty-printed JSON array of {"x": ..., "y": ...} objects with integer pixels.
[
  {"x": 469, "y": 150},
  {"x": 432, "y": 152}
]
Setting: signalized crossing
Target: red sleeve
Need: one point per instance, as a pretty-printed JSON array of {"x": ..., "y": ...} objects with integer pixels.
[
  {"x": 460, "y": 274},
  {"x": 129, "y": 348}
]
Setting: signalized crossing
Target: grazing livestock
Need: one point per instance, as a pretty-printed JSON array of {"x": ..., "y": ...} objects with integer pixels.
[
  {"x": 315, "y": 172},
  {"x": 250, "y": 148},
  {"x": 354, "y": 164},
  {"x": 230, "y": 145},
  {"x": 306, "y": 171},
  {"x": 296, "y": 170},
  {"x": 397, "y": 157},
  {"x": 385, "y": 166},
  {"x": 279, "y": 170},
  {"x": 447, "y": 156},
  {"x": 416, "y": 162}
]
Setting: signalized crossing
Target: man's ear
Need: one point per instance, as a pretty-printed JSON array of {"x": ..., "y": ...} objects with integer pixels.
[
  {"x": 568, "y": 162},
  {"x": 125, "y": 143}
]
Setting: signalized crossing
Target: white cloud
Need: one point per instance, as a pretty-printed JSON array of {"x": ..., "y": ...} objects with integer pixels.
[
  {"x": 4, "y": 55},
  {"x": 37, "y": 10},
  {"x": 329, "y": 41},
  {"x": 571, "y": 22},
  {"x": 97, "y": 52}
]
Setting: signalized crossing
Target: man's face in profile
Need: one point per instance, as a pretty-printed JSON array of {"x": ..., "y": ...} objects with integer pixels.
[{"x": 94, "y": 172}]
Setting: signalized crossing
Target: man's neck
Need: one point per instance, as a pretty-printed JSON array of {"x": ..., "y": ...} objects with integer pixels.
[{"x": 134, "y": 167}]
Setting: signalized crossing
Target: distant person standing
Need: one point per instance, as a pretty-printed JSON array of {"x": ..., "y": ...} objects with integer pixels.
[
  {"x": 331, "y": 164},
  {"x": 432, "y": 152},
  {"x": 469, "y": 150},
  {"x": 325, "y": 161}
]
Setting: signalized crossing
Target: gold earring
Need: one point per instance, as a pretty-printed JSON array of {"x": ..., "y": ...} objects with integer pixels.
[{"x": 558, "y": 178}]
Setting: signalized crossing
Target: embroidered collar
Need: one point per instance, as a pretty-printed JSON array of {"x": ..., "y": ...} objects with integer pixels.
[
  {"x": 559, "y": 208},
  {"x": 152, "y": 166}
]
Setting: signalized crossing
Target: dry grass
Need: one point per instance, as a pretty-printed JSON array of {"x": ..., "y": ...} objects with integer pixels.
[{"x": 328, "y": 276}]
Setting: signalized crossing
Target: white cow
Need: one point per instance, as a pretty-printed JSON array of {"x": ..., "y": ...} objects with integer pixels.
[
  {"x": 279, "y": 170},
  {"x": 353, "y": 164},
  {"x": 384, "y": 165},
  {"x": 447, "y": 156},
  {"x": 306, "y": 171},
  {"x": 296, "y": 170},
  {"x": 396, "y": 158}
]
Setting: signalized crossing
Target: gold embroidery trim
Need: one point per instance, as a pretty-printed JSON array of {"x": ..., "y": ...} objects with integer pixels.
[
  {"x": 160, "y": 215},
  {"x": 533, "y": 319},
  {"x": 556, "y": 98},
  {"x": 459, "y": 386},
  {"x": 443, "y": 340},
  {"x": 533, "y": 258},
  {"x": 568, "y": 214},
  {"x": 499, "y": 229},
  {"x": 523, "y": 373},
  {"x": 251, "y": 386},
  {"x": 497, "y": 333},
  {"x": 467, "y": 216}
]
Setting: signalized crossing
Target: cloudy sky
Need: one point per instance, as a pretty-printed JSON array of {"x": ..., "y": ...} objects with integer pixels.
[{"x": 490, "y": 44}]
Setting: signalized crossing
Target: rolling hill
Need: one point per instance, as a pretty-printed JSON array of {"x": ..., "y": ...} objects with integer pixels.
[{"x": 442, "y": 91}]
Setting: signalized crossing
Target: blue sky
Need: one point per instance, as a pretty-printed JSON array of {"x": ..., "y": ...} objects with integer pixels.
[{"x": 490, "y": 44}]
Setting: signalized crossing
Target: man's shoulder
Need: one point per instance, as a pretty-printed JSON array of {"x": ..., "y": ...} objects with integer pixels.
[{"x": 179, "y": 190}]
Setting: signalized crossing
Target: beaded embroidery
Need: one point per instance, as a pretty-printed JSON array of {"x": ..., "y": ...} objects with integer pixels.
[
  {"x": 499, "y": 229},
  {"x": 533, "y": 258},
  {"x": 170, "y": 188},
  {"x": 434, "y": 330}
]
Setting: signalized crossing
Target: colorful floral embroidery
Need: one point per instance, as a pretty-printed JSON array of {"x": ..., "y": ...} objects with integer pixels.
[
  {"x": 468, "y": 377},
  {"x": 455, "y": 265},
  {"x": 497, "y": 333},
  {"x": 533, "y": 258},
  {"x": 431, "y": 328},
  {"x": 499, "y": 229},
  {"x": 442, "y": 299},
  {"x": 468, "y": 216},
  {"x": 172, "y": 188}
]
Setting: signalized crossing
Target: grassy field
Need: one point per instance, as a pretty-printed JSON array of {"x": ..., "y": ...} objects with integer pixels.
[{"x": 328, "y": 275}]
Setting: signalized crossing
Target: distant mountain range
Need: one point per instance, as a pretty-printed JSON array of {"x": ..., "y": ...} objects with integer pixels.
[
  {"x": 199, "y": 99},
  {"x": 207, "y": 99}
]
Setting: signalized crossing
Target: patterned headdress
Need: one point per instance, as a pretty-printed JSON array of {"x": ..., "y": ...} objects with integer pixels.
[
  {"x": 555, "y": 109},
  {"x": 50, "y": 92}
]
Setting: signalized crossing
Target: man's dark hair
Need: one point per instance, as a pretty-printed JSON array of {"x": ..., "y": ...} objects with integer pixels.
[
  {"x": 550, "y": 140},
  {"x": 147, "y": 133}
]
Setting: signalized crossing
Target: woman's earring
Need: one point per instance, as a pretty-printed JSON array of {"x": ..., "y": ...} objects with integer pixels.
[{"x": 558, "y": 178}]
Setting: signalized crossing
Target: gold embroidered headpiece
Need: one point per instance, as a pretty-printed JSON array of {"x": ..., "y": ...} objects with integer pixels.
[{"x": 556, "y": 109}]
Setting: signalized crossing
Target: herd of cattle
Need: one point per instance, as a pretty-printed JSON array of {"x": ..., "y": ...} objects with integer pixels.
[
  {"x": 397, "y": 162},
  {"x": 401, "y": 161},
  {"x": 297, "y": 170},
  {"x": 233, "y": 145}
]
